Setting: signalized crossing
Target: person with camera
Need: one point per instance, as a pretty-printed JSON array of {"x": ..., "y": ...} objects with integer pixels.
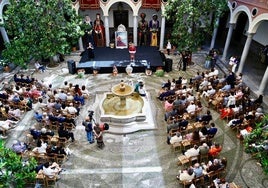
[
  {"x": 98, "y": 133},
  {"x": 89, "y": 128}
]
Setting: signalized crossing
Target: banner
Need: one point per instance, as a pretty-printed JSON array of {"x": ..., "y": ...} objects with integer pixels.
[
  {"x": 151, "y": 4},
  {"x": 89, "y": 4}
]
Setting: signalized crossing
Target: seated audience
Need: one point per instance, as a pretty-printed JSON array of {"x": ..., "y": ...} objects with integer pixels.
[
  {"x": 186, "y": 175},
  {"x": 215, "y": 150},
  {"x": 212, "y": 130},
  {"x": 52, "y": 170},
  {"x": 65, "y": 133},
  {"x": 174, "y": 139},
  {"x": 19, "y": 147}
]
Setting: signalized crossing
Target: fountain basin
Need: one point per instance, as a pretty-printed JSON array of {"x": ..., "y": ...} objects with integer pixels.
[{"x": 131, "y": 110}]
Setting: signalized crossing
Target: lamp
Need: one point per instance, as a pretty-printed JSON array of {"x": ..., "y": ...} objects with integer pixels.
[{"x": 120, "y": 6}]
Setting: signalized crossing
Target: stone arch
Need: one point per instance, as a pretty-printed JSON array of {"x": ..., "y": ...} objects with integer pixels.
[
  {"x": 134, "y": 7},
  {"x": 235, "y": 14},
  {"x": 2, "y": 4},
  {"x": 257, "y": 21}
]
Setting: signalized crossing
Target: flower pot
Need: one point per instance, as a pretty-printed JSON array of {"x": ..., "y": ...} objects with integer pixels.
[
  {"x": 74, "y": 49},
  {"x": 6, "y": 68},
  {"x": 129, "y": 69}
]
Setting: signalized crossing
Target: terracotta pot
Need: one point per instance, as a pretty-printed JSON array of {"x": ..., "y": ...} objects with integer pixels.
[{"x": 7, "y": 68}]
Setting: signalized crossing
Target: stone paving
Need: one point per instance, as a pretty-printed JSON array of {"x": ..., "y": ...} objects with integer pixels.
[{"x": 141, "y": 159}]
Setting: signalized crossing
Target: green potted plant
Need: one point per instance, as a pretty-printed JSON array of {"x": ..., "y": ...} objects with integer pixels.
[{"x": 13, "y": 171}]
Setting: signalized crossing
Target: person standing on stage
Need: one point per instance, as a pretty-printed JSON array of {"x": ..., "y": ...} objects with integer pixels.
[
  {"x": 99, "y": 32},
  {"x": 142, "y": 30},
  {"x": 154, "y": 27},
  {"x": 88, "y": 28}
]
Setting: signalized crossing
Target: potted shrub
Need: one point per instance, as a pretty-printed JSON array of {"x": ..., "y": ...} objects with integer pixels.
[{"x": 13, "y": 171}]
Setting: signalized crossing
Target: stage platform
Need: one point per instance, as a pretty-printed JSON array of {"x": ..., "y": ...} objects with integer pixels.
[{"x": 106, "y": 58}]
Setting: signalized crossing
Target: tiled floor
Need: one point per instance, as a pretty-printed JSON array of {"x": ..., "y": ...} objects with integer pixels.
[{"x": 141, "y": 159}]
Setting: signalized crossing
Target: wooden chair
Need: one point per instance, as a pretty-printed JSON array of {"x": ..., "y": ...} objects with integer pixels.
[
  {"x": 51, "y": 158},
  {"x": 212, "y": 175},
  {"x": 203, "y": 158},
  {"x": 62, "y": 141},
  {"x": 172, "y": 132},
  {"x": 68, "y": 126},
  {"x": 176, "y": 145},
  {"x": 193, "y": 159},
  {"x": 41, "y": 158},
  {"x": 183, "y": 160},
  {"x": 48, "y": 180},
  {"x": 185, "y": 144},
  {"x": 199, "y": 181},
  {"x": 185, "y": 183},
  {"x": 60, "y": 158},
  {"x": 40, "y": 178}
]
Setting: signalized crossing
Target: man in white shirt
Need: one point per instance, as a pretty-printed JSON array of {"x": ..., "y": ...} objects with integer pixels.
[
  {"x": 176, "y": 138},
  {"x": 71, "y": 109},
  {"x": 51, "y": 170},
  {"x": 191, "y": 108},
  {"x": 192, "y": 152}
]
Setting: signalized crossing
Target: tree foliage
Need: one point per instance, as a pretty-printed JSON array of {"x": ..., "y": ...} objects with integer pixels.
[
  {"x": 193, "y": 20},
  {"x": 40, "y": 29},
  {"x": 259, "y": 136},
  {"x": 13, "y": 171}
]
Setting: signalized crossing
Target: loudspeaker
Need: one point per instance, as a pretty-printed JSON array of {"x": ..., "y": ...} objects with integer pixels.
[
  {"x": 71, "y": 66},
  {"x": 163, "y": 57},
  {"x": 168, "y": 65}
]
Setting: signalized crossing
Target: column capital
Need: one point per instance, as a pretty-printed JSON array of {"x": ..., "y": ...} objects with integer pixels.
[{"x": 250, "y": 34}]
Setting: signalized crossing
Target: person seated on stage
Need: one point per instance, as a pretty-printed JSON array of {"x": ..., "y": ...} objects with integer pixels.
[
  {"x": 132, "y": 51},
  {"x": 90, "y": 51}
]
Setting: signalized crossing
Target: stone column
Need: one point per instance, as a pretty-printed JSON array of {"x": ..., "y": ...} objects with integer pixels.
[
  {"x": 215, "y": 31},
  {"x": 80, "y": 43},
  {"x": 4, "y": 34},
  {"x": 264, "y": 82},
  {"x": 245, "y": 52},
  {"x": 135, "y": 30},
  {"x": 107, "y": 32},
  {"x": 228, "y": 40},
  {"x": 162, "y": 33}
]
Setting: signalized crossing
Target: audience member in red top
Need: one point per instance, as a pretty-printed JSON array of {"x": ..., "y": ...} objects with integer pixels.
[{"x": 214, "y": 150}]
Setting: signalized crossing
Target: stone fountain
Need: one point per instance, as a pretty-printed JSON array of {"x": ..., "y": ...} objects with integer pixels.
[{"x": 125, "y": 110}]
